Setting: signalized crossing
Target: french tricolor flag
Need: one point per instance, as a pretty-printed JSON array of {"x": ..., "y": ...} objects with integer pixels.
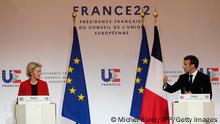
[
  {"x": 154, "y": 104},
  {"x": 151, "y": 105}
]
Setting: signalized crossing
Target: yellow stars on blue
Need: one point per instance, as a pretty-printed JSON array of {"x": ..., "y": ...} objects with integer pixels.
[
  {"x": 139, "y": 69},
  {"x": 70, "y": 69},
  {"x": 72, "y": 90},
  {"x": 81, "y": 97},
  {"x": 69, "y": 80},
  {"x": 145, "y": 60},
  {"x": 76, "y": 61},
  {"x": 141, "y": 90},
  {"x": 138, "y": 80}
]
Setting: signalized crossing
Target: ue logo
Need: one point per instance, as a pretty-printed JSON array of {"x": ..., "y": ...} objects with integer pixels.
[
  {"x": 212, "y": 73},
  {"x": 12, "y": 76},
  {"x": 110, "y": 75}
]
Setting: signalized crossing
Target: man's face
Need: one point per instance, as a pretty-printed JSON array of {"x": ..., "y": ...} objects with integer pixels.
[{"x": 187, "y": 66}]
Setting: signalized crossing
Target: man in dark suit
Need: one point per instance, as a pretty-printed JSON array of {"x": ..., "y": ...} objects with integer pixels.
[{"x": 193, "y": 81}]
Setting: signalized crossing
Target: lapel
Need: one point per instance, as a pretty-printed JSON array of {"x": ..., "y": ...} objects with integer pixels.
[{"x": 187, "y": 85}]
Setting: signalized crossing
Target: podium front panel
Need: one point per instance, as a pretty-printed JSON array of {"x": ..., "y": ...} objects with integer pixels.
[
  {"x": 192, "y": 112},
  {"x": 35, "y": 114}
]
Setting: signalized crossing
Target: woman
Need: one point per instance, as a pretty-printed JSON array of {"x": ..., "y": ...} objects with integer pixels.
[{"x": 33, "y": 86}]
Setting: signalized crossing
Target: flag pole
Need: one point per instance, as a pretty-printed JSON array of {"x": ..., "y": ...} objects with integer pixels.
[
  {"x": 155, "y": 15},
  {"x": 74, "y": 23},
  {"x": 74, "y": 18},
  {"x": 142, "y": 16}
]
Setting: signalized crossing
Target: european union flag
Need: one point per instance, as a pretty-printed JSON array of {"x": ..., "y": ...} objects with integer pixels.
[
  {"x": 141, "y": 76},
  {"x": 75, "y": 103}
]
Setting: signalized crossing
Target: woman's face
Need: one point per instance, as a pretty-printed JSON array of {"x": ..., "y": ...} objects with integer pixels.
[{"x": 36, "y": 73}]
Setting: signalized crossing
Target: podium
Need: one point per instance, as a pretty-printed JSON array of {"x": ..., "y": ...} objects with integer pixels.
[
  {"x": 193, "y": 108},
  {"x": 35, "y": 110}
]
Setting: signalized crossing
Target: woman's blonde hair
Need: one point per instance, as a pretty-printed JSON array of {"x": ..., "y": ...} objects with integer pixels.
[{"x": 31, "y": 66}]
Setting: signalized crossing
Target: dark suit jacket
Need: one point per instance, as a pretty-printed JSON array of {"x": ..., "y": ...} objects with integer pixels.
[
  {"x": 201, "y": 84},
  {"x": 25, "y": 88}
]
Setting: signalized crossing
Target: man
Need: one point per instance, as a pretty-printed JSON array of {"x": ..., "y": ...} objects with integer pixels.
[{"x": 193, "y": 81}]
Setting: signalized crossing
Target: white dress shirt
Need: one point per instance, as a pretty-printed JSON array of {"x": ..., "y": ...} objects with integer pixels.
[{"x": 194, "y": 75}]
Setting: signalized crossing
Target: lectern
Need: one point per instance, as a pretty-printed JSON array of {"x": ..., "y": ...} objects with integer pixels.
[
  {"x": 194, "y": 109},
  {"x": 35, "y": 110}
]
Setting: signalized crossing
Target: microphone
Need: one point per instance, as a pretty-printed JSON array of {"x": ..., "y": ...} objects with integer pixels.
[
  {"x": 201, "y": 89},
  {"x": 184, "y": 90}
]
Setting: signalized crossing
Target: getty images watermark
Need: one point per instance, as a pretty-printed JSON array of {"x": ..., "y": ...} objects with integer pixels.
[
  {"x": 194, "y": 119},
  {"x": 173, "y": 119}
]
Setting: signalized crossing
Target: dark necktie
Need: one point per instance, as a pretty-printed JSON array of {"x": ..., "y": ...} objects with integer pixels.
[{"x": 190, "y": 79}]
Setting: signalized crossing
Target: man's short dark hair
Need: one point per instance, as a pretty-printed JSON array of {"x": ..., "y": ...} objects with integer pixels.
[{"x": 193, "y": 60}]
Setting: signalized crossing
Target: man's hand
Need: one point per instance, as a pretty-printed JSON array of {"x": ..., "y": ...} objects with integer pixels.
[
  {"x": 189, "y": 92},
  {"x": 165, "y": 80}
]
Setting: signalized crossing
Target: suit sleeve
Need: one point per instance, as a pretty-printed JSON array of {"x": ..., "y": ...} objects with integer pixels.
[{"x": 176, "y": 86}]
